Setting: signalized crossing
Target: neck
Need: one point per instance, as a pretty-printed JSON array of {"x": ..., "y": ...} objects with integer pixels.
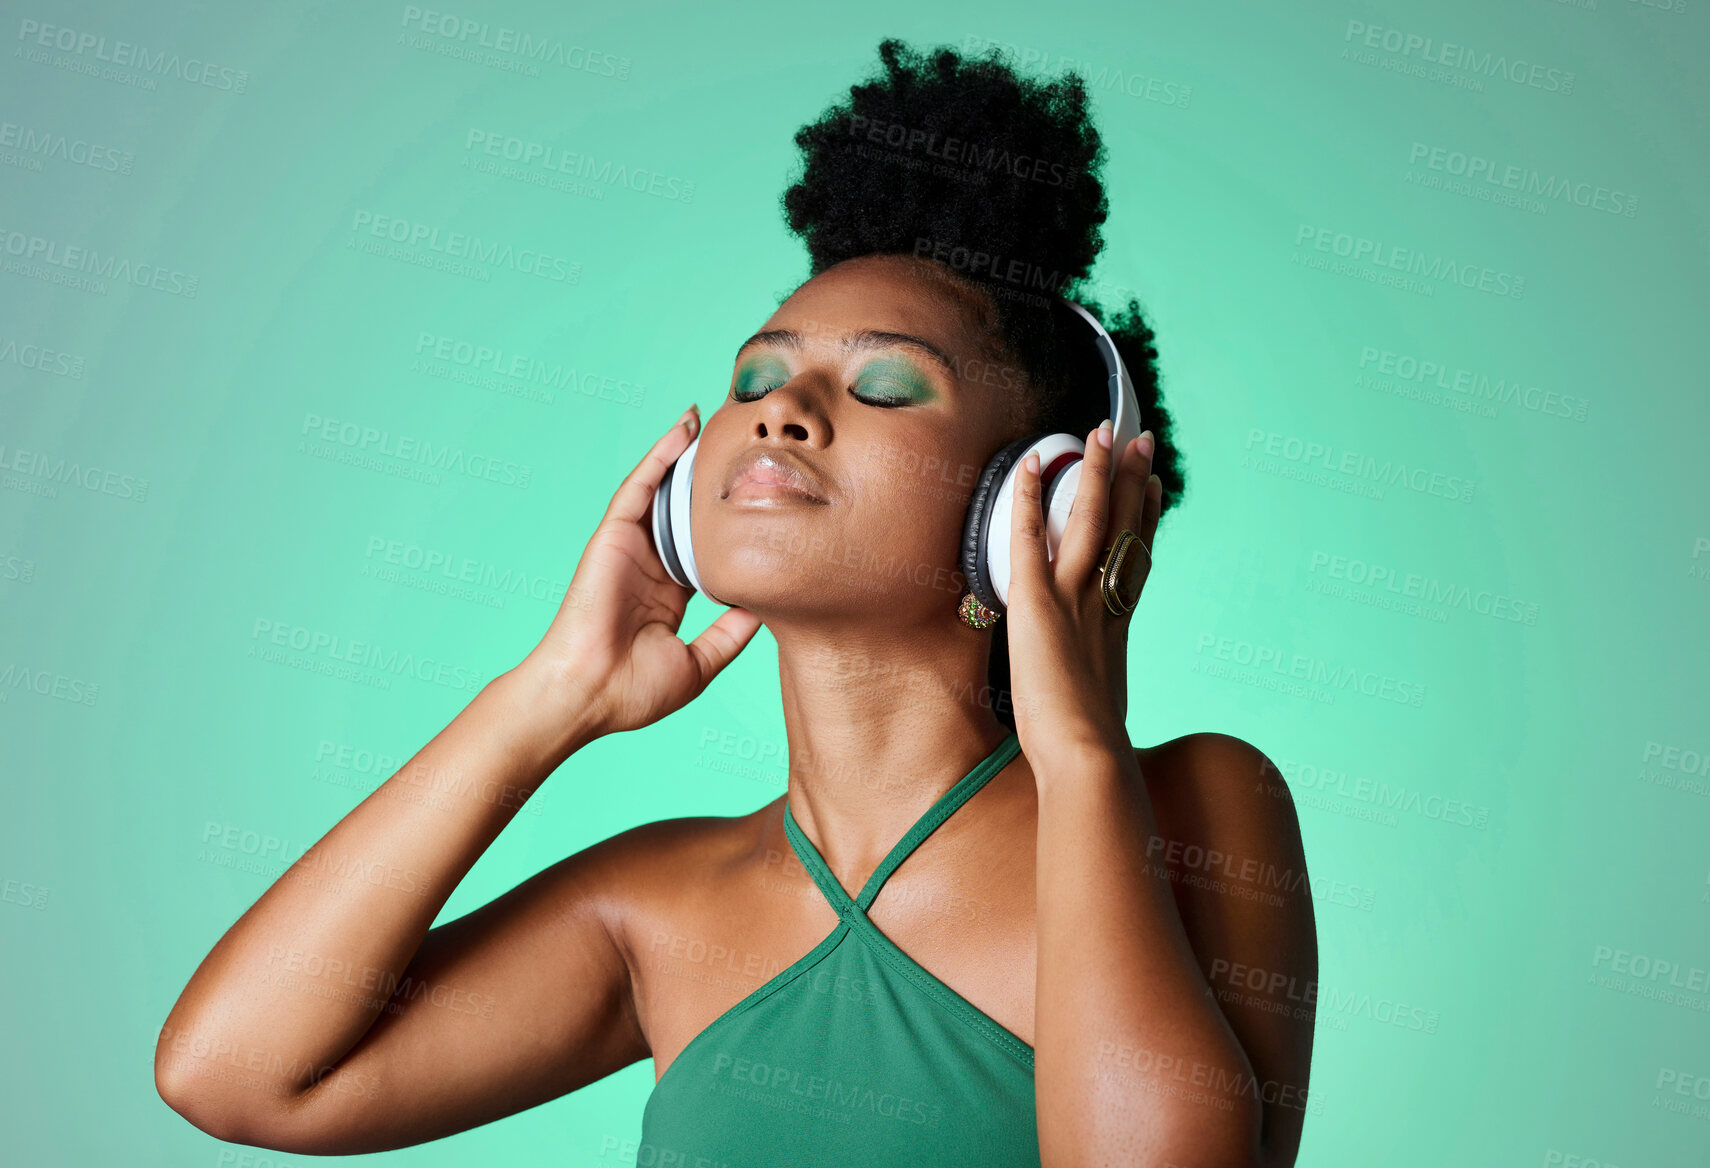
[{"x": 879, "y": 725}]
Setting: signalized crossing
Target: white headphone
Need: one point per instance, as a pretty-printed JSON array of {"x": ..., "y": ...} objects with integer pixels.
[{"x": 985, "y": 532}]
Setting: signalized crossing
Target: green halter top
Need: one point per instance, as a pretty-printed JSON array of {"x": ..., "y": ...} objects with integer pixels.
[{"x": 854, "y": 1055}]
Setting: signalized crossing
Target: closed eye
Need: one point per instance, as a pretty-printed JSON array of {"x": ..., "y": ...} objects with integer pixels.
[
  {"x": 879, "y": 391},
  {"x": 889, "y": 402},
  {"x": 889, "y": 396}
]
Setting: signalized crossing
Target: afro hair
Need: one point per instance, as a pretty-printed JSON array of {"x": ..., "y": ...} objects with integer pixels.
[{"x": 996, "y": 177}]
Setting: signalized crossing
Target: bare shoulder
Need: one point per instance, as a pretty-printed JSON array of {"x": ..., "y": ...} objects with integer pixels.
[
  {"x": 1213, "y": 788},
  {"x": 648, "y": 880},
  {"x": 668, "y": 864},
  {"x": 1229, "y": 842},
  {"x": 696, "y": 909}
]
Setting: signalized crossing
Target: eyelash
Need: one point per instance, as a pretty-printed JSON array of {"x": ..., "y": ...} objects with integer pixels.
[{"x": 882, "y": 403}]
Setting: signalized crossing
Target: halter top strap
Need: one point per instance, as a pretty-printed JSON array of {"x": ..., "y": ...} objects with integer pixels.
[{"x": 941, "y": 809}]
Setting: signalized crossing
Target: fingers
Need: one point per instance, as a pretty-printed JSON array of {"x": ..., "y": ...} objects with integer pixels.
[
  {"x": 1083, "y": 535},
  {"x": 1154, "y": 507},
  {"x": 1027, "y": 563},
  {"x": 1145, "y": 499},
  {"x": 1128, "y": 492},
  {"x": 721, "y": 641},
  {"x": 635, "y": 494}
]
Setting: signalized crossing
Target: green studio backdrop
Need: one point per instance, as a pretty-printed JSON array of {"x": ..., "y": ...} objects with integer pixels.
[{"x": 1429, "y": 285}]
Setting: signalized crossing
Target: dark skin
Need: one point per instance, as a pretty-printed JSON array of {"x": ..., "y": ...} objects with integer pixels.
[{"x": 631, "y": 947}]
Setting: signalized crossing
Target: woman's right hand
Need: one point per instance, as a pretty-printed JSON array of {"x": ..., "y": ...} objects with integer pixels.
[{"x": 612, "y": 652}]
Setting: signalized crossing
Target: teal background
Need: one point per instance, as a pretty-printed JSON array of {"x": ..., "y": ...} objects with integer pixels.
[{"x": 1230, "y": 126}]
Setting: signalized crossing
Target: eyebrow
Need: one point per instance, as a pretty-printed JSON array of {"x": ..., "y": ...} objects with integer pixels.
[{"x": 857, "y": 341}]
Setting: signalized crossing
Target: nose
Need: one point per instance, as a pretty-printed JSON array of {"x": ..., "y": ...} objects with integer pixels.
[{"x": 793, "y": 411}]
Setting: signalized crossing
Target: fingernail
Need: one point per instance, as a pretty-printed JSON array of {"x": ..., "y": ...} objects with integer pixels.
[
  {"x": 1148, "y": 442},
  {"x": 1031, "y": 462},
  {"x": 1104, "y": 433}
]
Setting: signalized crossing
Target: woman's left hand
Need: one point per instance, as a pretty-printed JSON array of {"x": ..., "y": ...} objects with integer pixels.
[{"x": 1067, "y": 652}]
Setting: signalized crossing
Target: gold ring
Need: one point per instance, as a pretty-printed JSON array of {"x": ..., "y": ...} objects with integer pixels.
[{"x": 1120, "y": 574}]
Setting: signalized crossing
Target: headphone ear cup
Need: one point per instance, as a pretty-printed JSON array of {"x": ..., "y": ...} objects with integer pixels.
[
  {"x": 668, "y": 525},
  {"x": 977, "y": 567}
]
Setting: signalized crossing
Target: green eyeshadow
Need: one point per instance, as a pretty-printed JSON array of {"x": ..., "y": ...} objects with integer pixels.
[{"x": 894, "y": 379}]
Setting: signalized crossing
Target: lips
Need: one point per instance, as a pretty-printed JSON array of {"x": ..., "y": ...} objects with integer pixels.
[{"x": 775, "y": 467}]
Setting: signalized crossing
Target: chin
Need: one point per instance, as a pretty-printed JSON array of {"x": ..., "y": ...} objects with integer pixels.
[
  {"x": 802, "y": 588},
  {"x": 770, "y": 585}
]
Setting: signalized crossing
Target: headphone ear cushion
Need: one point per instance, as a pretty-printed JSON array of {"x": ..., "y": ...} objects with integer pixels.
[
  {"x": 669, "y": 521},
  {"x": 975, "y": 568}
]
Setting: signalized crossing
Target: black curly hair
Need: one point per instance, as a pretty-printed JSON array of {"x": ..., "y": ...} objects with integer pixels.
[{"x": 994, "y": 177}]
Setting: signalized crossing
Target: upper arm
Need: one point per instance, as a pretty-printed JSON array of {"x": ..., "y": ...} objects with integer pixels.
[
  {"x": 513, "y": 1004},
  {"x": 1231, "y": 836}
]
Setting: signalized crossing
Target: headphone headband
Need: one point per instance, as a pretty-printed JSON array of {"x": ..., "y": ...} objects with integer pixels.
[{"x": 1124, "y": 407}]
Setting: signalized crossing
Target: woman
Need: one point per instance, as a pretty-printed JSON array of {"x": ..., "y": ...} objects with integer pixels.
[{"x": 980, "y": 927}]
